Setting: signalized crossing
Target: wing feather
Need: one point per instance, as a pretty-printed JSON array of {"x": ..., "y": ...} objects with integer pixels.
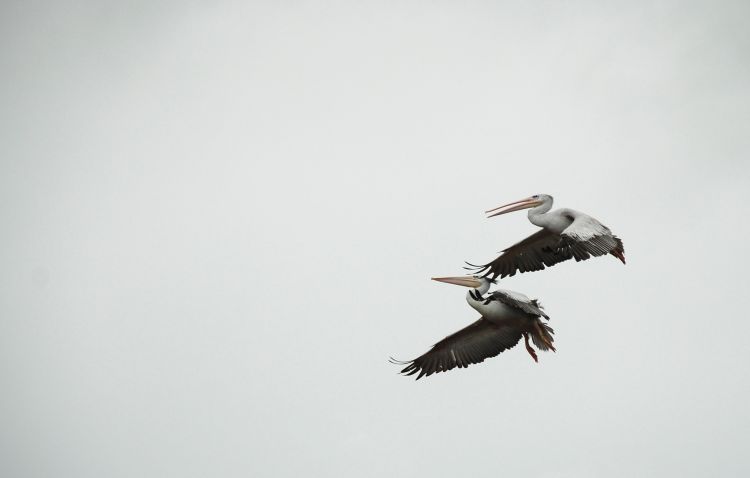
[
  {"x": 518, "y": 301},
  {"x": 535, "y": 253},
  {"x": 472, "y": 344},
  {"x": 584, "y": 238}
]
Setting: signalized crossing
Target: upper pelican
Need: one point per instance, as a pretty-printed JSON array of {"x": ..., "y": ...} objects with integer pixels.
[
  {"x": 565, "y": 234},
  {"x": 506, "y": 317}
]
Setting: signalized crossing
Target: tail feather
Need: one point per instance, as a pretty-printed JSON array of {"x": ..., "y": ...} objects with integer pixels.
[{"x": 546, "y": 340}]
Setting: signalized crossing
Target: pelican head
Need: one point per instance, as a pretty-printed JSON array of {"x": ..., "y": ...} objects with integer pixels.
[
  {"x": 481, "y": 284},
  {"x": 536, "y": 200}
]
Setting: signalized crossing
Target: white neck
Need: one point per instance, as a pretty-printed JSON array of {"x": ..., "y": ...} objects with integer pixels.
[{"x": 537, "y": 214}]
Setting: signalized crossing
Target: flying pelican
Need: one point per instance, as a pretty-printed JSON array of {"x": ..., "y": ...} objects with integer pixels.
[
  {"x": 565, "y": 234},
  {"x": 506, "y": 317}
]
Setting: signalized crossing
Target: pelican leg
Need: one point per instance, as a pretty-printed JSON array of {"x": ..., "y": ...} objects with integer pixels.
[
  {"x": 619, "y": 255},
  {"x": 528, "y": 347}
]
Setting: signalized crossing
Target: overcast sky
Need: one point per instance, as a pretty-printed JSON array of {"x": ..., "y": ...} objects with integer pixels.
[{"x": 220, "y": 218}]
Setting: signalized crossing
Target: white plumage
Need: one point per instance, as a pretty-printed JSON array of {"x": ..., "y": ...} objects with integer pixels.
[
  {"x": 565, "y": 234},
  {"x": 506, "y": 316}
]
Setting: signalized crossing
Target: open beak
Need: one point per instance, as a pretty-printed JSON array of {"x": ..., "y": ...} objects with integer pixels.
[
  {"x": 514, "y": 206},
  {"x": 466, "y": 281}
]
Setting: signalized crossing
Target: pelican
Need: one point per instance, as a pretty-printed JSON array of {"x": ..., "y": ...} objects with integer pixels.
[
  {"x": 506, "y": 317},
  {"x": 565, "y": 234}
]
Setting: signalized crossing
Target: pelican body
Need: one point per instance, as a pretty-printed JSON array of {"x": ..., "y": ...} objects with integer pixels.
[
  {"x": 506, "y": 316},
  {"x": 565, "y": 234}
]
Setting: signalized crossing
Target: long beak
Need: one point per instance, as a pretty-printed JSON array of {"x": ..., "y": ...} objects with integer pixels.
[
  {"x": 514, "y": 206},
  {"x": 466, "y": 281}
]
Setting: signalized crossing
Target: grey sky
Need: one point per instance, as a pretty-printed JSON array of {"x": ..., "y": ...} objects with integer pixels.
[{"x": 220, "y": 220}]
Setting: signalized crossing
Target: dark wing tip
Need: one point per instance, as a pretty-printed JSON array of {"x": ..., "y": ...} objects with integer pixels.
[
  {"x": 411, "y": 367},
  {"x": 474, "y": 267},
  {"x": 483, "y": 270},
  {"x": 398, "y": 362}
]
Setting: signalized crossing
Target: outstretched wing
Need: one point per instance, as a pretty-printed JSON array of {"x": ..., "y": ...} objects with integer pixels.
[
  {"x": 583, "y": 238},
  {"x": 473, "y": 344},
  {"x": 586, "y": 237},
  {"x": 518, "y": 301},
  {"x": 534, "y": 253}
]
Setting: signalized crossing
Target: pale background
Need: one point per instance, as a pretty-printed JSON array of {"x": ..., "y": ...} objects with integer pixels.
[{"x": 219, "y": 219}]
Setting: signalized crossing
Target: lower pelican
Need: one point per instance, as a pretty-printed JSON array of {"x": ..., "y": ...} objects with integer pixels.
[{"x": 506, "y": 317}]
